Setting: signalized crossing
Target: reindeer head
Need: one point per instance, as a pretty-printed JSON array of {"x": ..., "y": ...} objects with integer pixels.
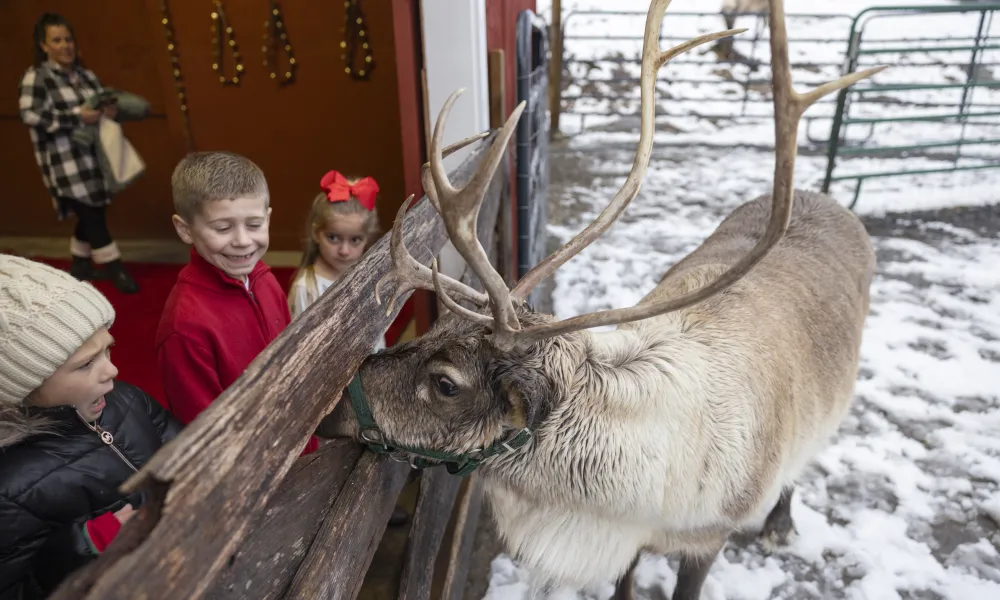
[
  {"x": 452, "y": 395},
  {"x": 478, "y": 383}
]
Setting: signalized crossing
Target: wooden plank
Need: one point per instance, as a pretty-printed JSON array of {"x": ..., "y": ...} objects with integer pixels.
[
  {"x": 438, "y": 490},
  {"x": 343, "y": 549},
  {"x": 498, "y": 88},
  {"x": 461, "y": 538},
  {"x": 281, "y": 535},
  {"x": 224, "y": 467}
]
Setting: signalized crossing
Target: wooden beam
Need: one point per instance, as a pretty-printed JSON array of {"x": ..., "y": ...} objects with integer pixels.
[
  {"x": 344, "y": 546},
  {"x": 461, "y": 537},
  {"x": 208, "y": 485},
  {"x": 437, "y": 496},
  {"x": 497, "y": 88},
  {"x": 281, "y": 535}
]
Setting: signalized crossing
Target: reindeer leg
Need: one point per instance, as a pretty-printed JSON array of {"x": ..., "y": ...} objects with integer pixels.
[
  {"x": 623, "y": 590},
  {"x": 779, "y": 526},
  {"x": 692, "y": 574}
]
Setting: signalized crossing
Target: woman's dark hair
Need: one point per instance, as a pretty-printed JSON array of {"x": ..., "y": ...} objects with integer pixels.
[{"x": 41, "y": 28}]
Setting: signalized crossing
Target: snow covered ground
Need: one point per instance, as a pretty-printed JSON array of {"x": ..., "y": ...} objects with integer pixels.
[{"x": 905, "y": 503}]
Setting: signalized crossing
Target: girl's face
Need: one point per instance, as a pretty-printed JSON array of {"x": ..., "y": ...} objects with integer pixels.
[
  {"x": 83, "y": 380},
  {"x": 59, "y": 45},
  {"x": 342, "y": 241}
]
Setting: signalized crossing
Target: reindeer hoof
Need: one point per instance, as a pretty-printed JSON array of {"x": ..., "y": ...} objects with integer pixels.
[{"x": 777, "y": 534}]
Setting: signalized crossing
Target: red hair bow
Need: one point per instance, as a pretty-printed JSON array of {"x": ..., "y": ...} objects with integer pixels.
[{"x": 338, "y": 190}]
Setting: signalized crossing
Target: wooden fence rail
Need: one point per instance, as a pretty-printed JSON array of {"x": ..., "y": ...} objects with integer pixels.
[{"x": 231, "y": 510}]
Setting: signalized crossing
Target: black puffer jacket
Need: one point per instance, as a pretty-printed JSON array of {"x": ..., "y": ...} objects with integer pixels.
[{"x": 52, "y": 484}]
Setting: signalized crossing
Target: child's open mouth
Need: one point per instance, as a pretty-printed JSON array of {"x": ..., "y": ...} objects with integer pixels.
[
  {"x": 239, "y": 258},
  {"x": 98, "y": 404}
]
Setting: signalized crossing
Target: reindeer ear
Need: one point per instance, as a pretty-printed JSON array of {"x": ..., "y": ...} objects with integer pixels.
[{"x": 525, "y": 391}]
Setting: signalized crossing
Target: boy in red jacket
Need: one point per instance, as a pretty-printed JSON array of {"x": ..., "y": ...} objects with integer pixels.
[{"x": 226, "y": 306}]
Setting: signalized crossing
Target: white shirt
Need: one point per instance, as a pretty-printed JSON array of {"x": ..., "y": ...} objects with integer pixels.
[{"x": 303, "y": 298}]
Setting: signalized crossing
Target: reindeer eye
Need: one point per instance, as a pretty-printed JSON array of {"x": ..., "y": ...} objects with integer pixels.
[{"x": 446, "y": 387}]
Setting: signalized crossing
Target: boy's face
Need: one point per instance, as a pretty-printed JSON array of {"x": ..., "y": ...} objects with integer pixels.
[
  {"x": 232, "y": 235},
  {"x": 83, "y": 380}
]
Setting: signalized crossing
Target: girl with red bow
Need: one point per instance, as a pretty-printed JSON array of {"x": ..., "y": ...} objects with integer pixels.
[{"x": 342, "y": 224}]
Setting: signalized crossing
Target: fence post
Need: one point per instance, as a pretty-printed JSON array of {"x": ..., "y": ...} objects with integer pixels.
[
  {"x": 833, "y": 144},
  {"x": 970, "y": 78},
  {"x": 555, "y": 67}
]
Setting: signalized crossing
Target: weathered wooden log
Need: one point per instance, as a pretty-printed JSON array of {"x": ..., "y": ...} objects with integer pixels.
[
  {"x": 460, "y": 538},
  {"x": 224, "y": 468},
  {"x": 430, "y": 520},
  {"x": 342, "y": 551},
  {"x": 281, "y": 535}
]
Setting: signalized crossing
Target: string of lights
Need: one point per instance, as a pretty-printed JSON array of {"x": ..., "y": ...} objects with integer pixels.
[
  {"x": 355, "y": 30},
  {"x": 275, "y": 35},
  {"x": 222, "y": 31}
]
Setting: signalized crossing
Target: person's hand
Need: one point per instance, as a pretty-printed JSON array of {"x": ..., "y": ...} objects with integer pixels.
[
  {"x": 111, "y": 110},
  {"x": 125, "y": 513},
  {"x": 89, "y": 116}
]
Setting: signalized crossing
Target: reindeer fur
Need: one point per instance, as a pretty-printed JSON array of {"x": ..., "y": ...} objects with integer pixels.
[{"x": 666, "y": 434}]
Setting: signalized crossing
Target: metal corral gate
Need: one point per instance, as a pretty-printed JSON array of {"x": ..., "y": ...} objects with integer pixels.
[
  {"x": 532, "y": 143},
  {"x": 940, "y": 101},
  {"x": 966, "y": 133}
]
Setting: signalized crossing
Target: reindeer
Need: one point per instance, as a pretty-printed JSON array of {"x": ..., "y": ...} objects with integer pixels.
[
  {"x": 689, "y": 421},
  {"x": 730, "y": 10}
]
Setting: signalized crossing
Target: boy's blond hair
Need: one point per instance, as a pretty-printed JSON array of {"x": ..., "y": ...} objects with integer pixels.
[{"x": 203, "y": 177}]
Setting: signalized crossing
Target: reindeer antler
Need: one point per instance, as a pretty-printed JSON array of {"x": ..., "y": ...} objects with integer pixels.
[
  {"x": 788, "y": 109},
  {"x": 652, "y": 60},
  {"x": 459, "y": 207},
  {"x": 407, "y": 272}
]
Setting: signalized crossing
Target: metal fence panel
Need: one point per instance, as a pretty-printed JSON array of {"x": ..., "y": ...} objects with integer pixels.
[
  {"x": 936, "y": 110},
  {"x": 532, "y": 58},
  {"x": 964, "y": 132}
]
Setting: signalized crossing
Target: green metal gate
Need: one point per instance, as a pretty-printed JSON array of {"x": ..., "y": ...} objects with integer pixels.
[{"x": 965, "y": 138}]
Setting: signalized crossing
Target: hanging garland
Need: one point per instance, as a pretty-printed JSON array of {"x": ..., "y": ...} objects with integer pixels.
[
  {"x": 220, "y": 30},
  {"x": 175, "y": 67},
  {"x": 355, "y": 30},
  {"x": 275, "y": 35}
]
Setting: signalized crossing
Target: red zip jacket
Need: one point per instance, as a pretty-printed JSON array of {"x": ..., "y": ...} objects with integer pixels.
[{"x": 211, "y": 329}]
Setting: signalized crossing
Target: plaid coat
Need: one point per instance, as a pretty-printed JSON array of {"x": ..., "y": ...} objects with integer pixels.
[{"x": 50, "y": 102}]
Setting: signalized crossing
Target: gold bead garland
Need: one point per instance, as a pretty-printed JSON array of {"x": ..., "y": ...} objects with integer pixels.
[
  {"x": 222, "y": 29},
  {"x": 275, "y": 35},
  {"x": 354, "y": 30},
  {"x": 175, "y": 66}
]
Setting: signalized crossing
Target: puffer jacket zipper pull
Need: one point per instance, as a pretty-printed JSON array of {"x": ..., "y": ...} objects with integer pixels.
[{"x": 108, "y": 439}]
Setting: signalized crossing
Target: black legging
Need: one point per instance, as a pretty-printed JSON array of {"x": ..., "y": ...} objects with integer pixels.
[{"x": 91, "y": 225}]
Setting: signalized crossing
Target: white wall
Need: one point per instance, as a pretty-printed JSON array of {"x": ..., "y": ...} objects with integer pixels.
[{"x": 454, "y": 37}]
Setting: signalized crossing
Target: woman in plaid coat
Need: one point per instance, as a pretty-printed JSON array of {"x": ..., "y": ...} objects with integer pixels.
[{"x": 53, "y": 94}]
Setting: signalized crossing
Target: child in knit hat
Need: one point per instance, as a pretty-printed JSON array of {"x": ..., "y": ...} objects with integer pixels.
[{"x": 70, "y": 434}]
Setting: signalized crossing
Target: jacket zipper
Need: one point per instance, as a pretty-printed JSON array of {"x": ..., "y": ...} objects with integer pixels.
[
  {"x": 258, "y": 311},
  {"x": 109, "y": 440}
]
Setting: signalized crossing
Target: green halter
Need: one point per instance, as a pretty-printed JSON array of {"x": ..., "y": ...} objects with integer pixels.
[{"x": 421, "y": 458}]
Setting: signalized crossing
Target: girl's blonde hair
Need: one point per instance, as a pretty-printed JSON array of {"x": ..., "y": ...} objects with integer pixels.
[{"x": 320, "y": 213}]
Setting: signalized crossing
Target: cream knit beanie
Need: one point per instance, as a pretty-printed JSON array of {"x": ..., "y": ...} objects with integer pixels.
[{"x": 45, "y": 315}]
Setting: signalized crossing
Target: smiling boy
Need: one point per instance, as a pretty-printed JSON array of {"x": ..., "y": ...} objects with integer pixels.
[{"x": 226, "y": 306}]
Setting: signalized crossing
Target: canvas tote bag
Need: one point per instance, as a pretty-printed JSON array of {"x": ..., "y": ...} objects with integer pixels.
[{"x": 120, "y": 163}]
